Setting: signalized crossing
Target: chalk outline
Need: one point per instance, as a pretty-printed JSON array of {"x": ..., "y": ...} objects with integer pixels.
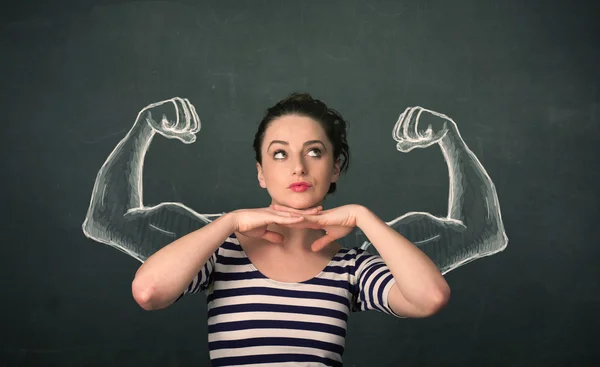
[{"x": 187, "y": 123}]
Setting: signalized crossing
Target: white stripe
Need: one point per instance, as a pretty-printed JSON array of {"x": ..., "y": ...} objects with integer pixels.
[
  {"x": 367, "y": 263},
  {"x": 376, "y": 285},
  {"x": 236, "y": 268},
  {"x": 232, "y": 253},
  {"x": 369, "y": 285},
  {"x": 233, "y": 240},
  {"x": 276, "y": 349}
]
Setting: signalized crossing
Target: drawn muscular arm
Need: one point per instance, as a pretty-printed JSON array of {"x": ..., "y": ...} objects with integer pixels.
[
  {"x": 473, "y": 227},
  {"x": 116, "y": 215}
]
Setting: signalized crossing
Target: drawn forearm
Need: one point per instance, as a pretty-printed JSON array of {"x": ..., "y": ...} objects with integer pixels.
[
  {"x": 118, "y": 186},
  {"x": 472, "y": 196},
  {"x": 473, "y": 227}
]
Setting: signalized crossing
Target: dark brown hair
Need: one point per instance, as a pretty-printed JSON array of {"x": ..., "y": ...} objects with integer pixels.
[{"x": 304, "y": 105}]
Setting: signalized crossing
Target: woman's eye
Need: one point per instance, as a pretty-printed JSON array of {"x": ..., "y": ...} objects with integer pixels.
[
  {"x": 280, "y": 154},
  {"x": 315, "y": 152}
]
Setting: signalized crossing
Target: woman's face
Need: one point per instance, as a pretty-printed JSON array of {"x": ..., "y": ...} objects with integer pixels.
[{"x": 295, "y": 150}]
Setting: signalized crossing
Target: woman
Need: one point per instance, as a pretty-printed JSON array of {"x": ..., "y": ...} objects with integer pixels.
[{"x": 280, "y": 288}]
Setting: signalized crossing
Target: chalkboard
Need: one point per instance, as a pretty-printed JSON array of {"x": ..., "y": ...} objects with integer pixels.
[{"x": 512, "y": 178}]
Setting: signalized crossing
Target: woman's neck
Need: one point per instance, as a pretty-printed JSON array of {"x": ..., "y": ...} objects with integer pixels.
[{"x": 297, "y": 239}]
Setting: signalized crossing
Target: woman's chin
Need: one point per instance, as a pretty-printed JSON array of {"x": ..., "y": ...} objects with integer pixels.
[{"x": 300, "y": 203}]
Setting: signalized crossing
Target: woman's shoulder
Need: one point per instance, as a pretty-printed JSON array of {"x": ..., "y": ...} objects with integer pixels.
[
  {"x": 229, "y": 244},
  {"x": 348, "y": 255},
  {"x": 354, "y": 251},
  {"x": 356, "y": 256}
]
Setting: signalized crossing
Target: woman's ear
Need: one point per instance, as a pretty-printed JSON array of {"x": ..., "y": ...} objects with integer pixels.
[
  {"x": 336, "y": 170},
  {"x": 261, "y": 177}
]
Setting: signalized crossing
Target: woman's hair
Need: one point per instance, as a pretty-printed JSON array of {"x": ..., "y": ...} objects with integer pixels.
[{"x": 303, "y": 104}]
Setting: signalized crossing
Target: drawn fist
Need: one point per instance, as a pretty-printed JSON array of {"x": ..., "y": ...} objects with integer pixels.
[
  {"x": 419, "y": 128},
  {"x": 175, "y": 118}
]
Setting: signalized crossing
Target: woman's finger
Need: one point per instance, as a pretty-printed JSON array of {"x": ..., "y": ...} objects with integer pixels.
[
  {"x": 319, "y": 219},
  {"x": 320, "y": 243},
  {"x": 296, "y": 211},
  {"x": 288, "y": 220},
  {"x": 303, "y": 225},
  {"x": 314, "y": 210},
  {"x": 273, "y": 237}
]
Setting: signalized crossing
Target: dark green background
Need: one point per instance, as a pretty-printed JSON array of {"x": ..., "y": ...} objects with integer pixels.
[{"x": 520, "y": 79}]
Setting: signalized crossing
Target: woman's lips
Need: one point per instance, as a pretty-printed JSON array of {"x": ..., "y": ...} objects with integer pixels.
[{"x": 300, "y": 186}]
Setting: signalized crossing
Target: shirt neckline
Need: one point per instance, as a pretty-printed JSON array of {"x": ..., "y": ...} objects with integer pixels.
[{"x": 289, "y": 284}]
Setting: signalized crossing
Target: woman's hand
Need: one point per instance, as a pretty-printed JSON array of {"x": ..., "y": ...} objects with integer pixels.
[
  {"x": 253, "y": 222},
  {"x": 337, "y": 222}
]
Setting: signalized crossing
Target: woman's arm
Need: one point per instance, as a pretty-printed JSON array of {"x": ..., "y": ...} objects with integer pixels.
[
  {"x": 116, "y": 215},
  {"x": 164, "y": 276},
  {"x": 420, "y": 289}
]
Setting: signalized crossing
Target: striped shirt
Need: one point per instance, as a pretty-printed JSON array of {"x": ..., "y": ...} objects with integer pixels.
[{"x": 257, "y": 321}]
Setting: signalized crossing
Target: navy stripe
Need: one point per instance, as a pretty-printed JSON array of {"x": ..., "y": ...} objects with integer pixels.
[
  {"x": 343, "y": 254},
  {"x": 348, "y": 255},
  {"x": 276, "y": 324},
  {"x": 365, "y": 275},
  {"x": 231, "y": 246},
  {"x": 377, "y": 299},
  {"x": 373, "y": 279},
  {"x": 205, "y": 273},
  {"x": 261, "y": 342},
  {"x": 226, "y": 260},
  {"x": 361, "y": 257},
  {"x": 273, "y": 358},
  {"x": 368, "y": 271},
  {"x": 336, "y": 269},
  {"x": 385, "y": 282},
  {"x": 203, "y": 277},
  {"x": 264, "y": 307},
  {"x": 264, "y": 291}
]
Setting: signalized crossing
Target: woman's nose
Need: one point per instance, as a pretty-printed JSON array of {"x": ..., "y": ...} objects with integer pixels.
[{"x": 299, "y": 167}]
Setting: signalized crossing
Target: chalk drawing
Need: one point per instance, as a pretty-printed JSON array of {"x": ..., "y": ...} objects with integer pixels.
[
  {"x": 118, "y": 217},
  {"x": 473, "y": 227}
]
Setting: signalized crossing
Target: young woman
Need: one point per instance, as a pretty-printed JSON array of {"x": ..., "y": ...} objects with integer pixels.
[{"x": 279, "y": 286}]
